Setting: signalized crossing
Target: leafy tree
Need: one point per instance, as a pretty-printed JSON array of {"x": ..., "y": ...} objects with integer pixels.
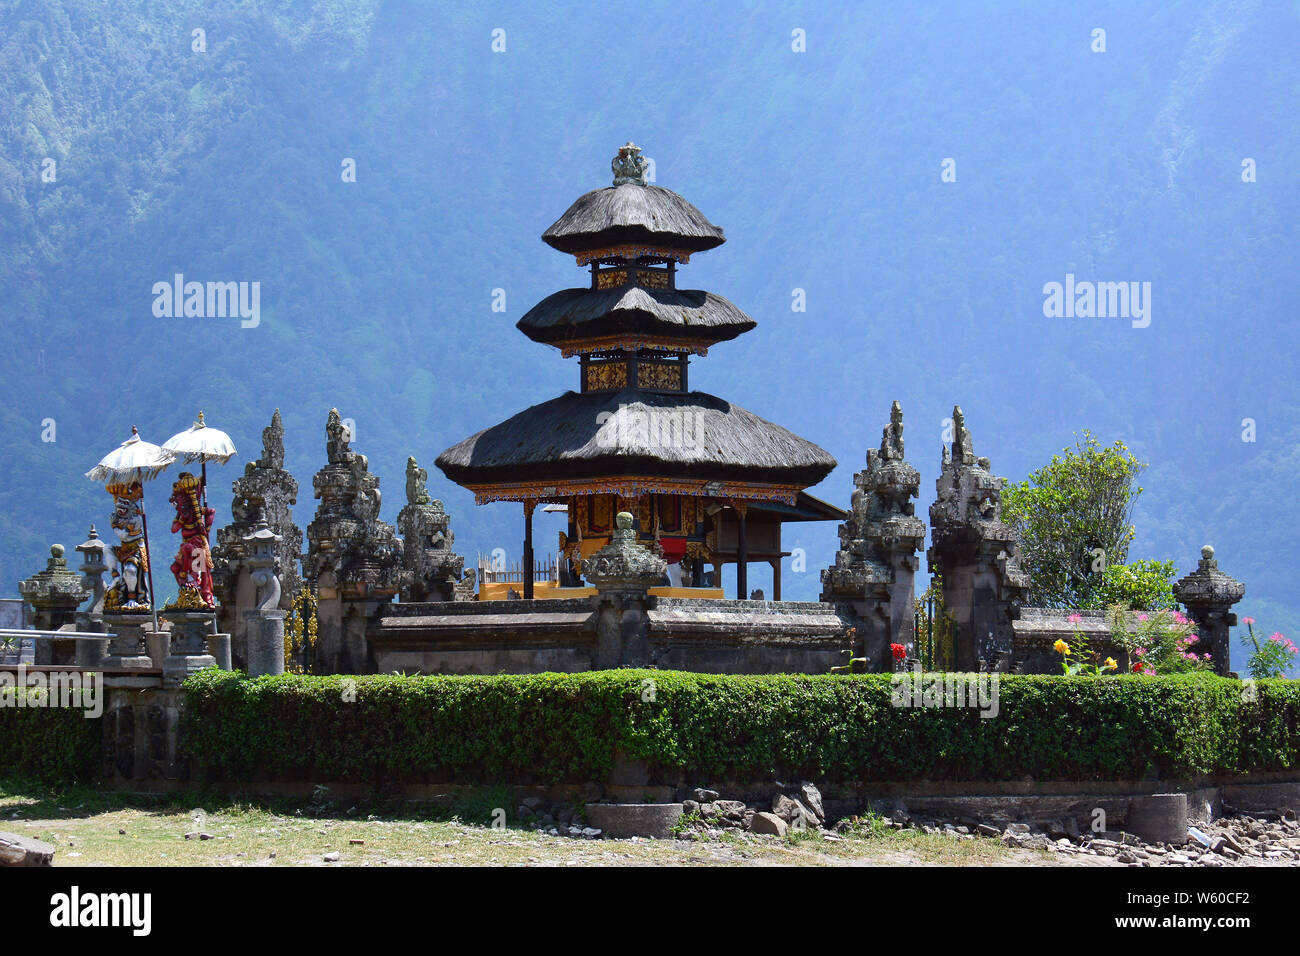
[
  {"x": 1138, "y": 585},
  {"x": 1074, "y": 516}
]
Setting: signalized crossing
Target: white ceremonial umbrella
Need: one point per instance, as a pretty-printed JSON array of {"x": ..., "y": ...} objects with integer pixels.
[
  {"x": 135, "y": 460},
  {"x": 202, "y": 444}
]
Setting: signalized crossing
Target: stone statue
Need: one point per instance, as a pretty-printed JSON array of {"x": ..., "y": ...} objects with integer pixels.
[
  {"x": 629, "y": 166},
  {"x": 891, "y": 443},
  {"x": 273, "y": 443},
  {"x": 193, "y": 565},
  {"x": 265, "y": 566},
  {"x": 415, "y": 479},
  {"x": 129, "y": 590},
  {"x": 624, "y": 563},
  {"x": 434, "y": 571}
]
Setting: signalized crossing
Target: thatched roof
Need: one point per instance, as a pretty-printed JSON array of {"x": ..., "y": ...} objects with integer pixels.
[
  {"x": 632, "y": 214},
  {"x": 631, "y": 432},
  {"x": 681, "y": 313}
]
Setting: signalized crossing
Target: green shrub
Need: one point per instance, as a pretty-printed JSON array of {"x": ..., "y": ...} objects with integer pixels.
[
  {"x": 51, "y": 744},
  {"x": 556, "y": 727}
]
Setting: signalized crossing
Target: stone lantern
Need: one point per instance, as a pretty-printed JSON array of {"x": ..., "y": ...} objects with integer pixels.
[
  {"x": 94, "y": 564},
  {"x": 264, "y": 624},
  {"x": 1209, "y": 594}
]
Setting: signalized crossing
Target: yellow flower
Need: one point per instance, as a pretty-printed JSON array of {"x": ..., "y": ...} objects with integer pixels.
[
  {"x": 1110, "y": 664},
  {"x": 1061, "y": 647}
]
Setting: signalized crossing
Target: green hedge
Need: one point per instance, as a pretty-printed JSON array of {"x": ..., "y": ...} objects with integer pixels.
[
  {"x": 52, "y": 744},
  {"x": 558, "y": 727}
]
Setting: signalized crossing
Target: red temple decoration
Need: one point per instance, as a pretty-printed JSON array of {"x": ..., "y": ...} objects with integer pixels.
[{"x": 193, "y": 565}]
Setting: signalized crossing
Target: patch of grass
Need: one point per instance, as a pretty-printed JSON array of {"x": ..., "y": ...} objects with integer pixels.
[
  {"x": 869, "y": 825},
  {"x": 90, "y": 828}
]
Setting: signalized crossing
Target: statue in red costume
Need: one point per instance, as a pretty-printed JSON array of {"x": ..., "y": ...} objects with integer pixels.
[{"x": 193, "y": 565}]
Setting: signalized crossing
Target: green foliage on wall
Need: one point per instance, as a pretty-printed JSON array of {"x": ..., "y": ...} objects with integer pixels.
[
  {"x": 55, "y": 744},
  {"x": 555, "y": 727},
  {"x": 1138, "y": 586}
]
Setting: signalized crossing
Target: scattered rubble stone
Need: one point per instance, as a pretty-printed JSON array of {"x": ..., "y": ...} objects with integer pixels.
[
  {"x": 16, "y": 850},
  {"x": 768, "y": 823}
]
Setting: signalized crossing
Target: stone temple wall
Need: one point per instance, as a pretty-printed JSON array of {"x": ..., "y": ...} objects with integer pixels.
[
  {"x": 1038, "y": 629},
  {"x": 523, "y": 637}
]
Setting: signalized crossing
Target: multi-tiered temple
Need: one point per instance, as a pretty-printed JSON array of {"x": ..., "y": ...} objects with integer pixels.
[{"x": 707, "y": 482}]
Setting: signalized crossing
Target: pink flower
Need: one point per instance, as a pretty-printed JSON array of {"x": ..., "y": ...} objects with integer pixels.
[
  {"x": 1075, "y": 618},
  {"x": 1247, "y": 620},
  {"x": 1142, "y": 617},
  {"x": 1141, "y": 651},
  {"x": 1277, "y": 638},
  {"x": 1204, "y": 657}
]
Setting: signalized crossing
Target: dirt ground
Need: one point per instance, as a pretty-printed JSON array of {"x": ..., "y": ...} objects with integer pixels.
[{"x": 89, "y": 828}]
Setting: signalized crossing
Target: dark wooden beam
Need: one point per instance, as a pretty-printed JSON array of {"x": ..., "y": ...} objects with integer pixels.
[
  {"x": 528, "y": 549},
  {"x": 742, "y": 557}
]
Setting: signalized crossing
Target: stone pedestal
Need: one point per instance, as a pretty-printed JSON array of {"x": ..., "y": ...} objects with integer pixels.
[
  {"x": 265, "y": 630},
  {"x": 91, "y": 653},
  {"x": 126, "y": 649},
  {"x": 219, "y": 648},
  {"x": 159, "y": 645},
  {"x": 1159, "y": 818},
  {"x": 189, "y": 645}
]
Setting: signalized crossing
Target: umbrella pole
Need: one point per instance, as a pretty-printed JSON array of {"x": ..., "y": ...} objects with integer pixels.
[
  {"x": 203, "y": 482},
  {"x": 153, "y": 597}
]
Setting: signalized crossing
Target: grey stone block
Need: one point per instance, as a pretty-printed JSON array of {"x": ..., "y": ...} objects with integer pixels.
[
  {"x": 1159, "y": 818},
  {"x": 634, "y": 819},
  {"x": 768, "y": 823}
]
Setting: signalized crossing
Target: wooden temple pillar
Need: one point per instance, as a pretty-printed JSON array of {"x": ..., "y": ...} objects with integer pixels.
[
  {"x": 776, "y": 566},
  {"x": 529, "y": 505},
  {"x": 742, "y": 553}
]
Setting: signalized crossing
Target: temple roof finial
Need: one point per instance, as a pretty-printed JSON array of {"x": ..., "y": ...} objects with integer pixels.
[{"x": 629, "y": 165}]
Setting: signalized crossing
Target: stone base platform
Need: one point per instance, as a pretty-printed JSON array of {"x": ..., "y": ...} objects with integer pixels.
[{"x": 526, "y": 637}]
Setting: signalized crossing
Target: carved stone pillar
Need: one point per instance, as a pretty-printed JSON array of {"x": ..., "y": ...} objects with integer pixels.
[
  {"x": 353, "y": 559},
  {"x": 872, "y": 578},
  {"x": 265, "y": 493},
  {"x": 977, "y": 555}
]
